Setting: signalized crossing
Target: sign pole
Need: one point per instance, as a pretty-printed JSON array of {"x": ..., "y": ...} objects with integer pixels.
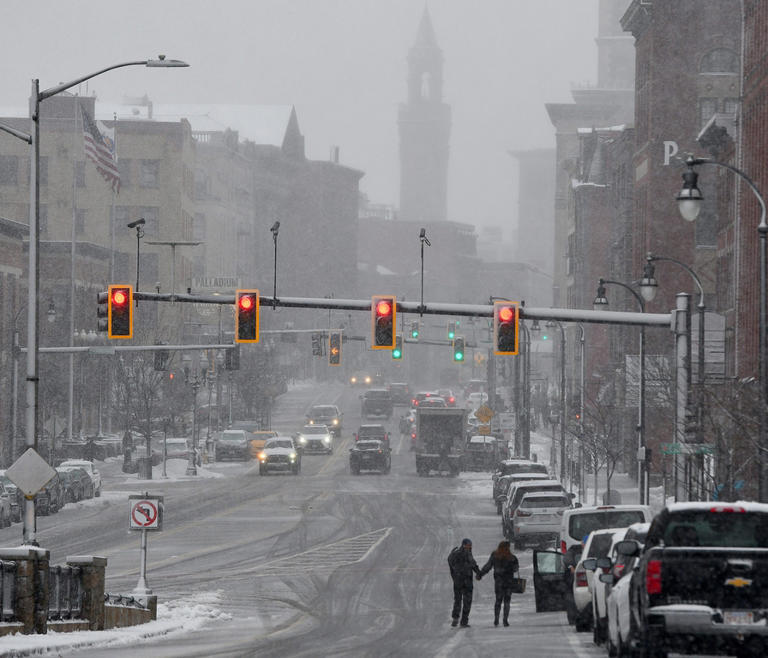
[
  {"x": 141, "y": 587},
  {"x": 146, "y": 513}
]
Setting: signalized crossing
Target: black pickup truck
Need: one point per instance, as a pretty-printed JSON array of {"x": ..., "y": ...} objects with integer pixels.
[{"x": 701, "y": 582}]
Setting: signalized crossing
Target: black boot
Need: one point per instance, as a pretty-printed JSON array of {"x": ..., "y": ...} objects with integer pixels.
[{"x": 496, "y": 621}]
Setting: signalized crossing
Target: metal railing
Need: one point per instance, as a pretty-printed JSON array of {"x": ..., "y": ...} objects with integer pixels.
[
  {"x": 7, "y": 590},
  {"x": 127, "y": 601},
  {"x": 65, "y": 592}
]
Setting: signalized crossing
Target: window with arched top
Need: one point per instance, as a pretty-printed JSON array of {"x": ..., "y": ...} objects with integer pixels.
[
  {"x": 719, "y": 60},
  {"x": 426, "y": 83}
]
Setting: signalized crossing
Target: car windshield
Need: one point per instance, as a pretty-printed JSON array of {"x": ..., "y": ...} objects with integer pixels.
[
  {"x": 705, "y": 528},
  {"x": 314, "y": 429},
  {"x": 522, "y": 467},
  {"x": 600, "y": 545},
  {"x": 368, "y": 445},
  {"x": 232, "y": 436},
  {"x": 548, "y": 501},
  {"x": 582, "y": 524},
  {"x": 286, "y": 443},
  {"x": 176, "y": 442},
  {"x": 521, "y": 491}
]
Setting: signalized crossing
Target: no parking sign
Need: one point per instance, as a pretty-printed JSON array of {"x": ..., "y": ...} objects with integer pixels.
[{"x": 146, "y": 512}]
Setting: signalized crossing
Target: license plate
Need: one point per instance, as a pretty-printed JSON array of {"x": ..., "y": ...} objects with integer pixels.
[{"x": 736, "y": 618}]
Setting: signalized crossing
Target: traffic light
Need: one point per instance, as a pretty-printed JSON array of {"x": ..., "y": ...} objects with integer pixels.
[
  {"x": 383, "y": 312},
  {"x": 397, "y": 352},
  {"x": 120, "y": 312},
  {"x": 334, "y": 348},
  {"x": 415, "y": 330},
  {"x": 246, "y": 316},
  {"x": 232, "y": 358},
  {"x": 317, "y": 346},
  {"x": 451, "y": 330},
  {"x": 458, "y": 349},
  {"x": 102, "y": 312},
  {"x": 505, "y": 319}
]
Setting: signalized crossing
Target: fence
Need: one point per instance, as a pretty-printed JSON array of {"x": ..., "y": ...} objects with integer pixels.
[
  {"x": 65, "y": 592},
  {"x": 7, "y": 590}
]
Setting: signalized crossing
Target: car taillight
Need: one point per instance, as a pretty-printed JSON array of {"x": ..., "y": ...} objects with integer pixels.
[
  {"x": 562, "y": 546},
  {"x": 413, "y": 436},
  {"x": 520, "y": 512},
  {"x": 653, "y": 577},
  {"x": 451, "y": 400},
  {"x": 581, "y": 579},
  {"x": 618, "y": 569}
]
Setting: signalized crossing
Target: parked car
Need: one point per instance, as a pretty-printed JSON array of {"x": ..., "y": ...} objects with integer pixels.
[
  {"x": 400, "y": 392},
  {"x": 232, "y": 444},
  {"x": 177, "y": 447},
  {"x": 516, "y": 494},
  {"x": 89, "y": 468},
  {"x": 7, "y": 499},
  {"x": 15, "y": 496},
  {"x": 476, "y": 400},
  {"x": 326, "y": 414},
  {"x": 377, "y": 402},
  {"x": 537, "y": 518},
  {"x": 72, "y": 485},
  {"x": 577, "y": 523},
  {"x": 597, "y": 545},
  {"x": 315, "y": 438},
  {"x": 280, "y": 454},
  {"x": 618, "y": 589},
  {"x": 370, "y": 455},
  {"x": 50, "y": 499},
  {"x": 505, "y": 484}
]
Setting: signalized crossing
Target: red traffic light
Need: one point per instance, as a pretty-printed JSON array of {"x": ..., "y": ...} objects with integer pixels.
[
  {"x": 506, "y": 313},
  {"x": 505, "y": 327},
  {"x": 383, "y": 311},
  {"x": 246, "y": 303},
  {"x": 383, "y": 308},
  {"x": 247, "y": 316},
  {"x": 119, "y": 297}
]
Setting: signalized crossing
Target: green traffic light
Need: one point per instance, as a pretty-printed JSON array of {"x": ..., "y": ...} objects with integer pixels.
[
  {"x": 396, "y": 354},
  {"x": 458, "y": 356},
  {"x": 451, "y": 335},
  {"x": 414, "y": 334}
]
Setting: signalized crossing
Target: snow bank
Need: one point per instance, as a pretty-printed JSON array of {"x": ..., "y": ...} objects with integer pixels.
[{"x": 174, "y": 618}]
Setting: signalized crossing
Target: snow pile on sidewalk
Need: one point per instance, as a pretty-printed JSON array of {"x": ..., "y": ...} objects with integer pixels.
[
  {"x": 173, "y": 618},
  {"x": 176, "y": 470}
]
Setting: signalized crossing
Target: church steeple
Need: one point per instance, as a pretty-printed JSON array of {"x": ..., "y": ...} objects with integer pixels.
[{"x": 425, "y": 125}]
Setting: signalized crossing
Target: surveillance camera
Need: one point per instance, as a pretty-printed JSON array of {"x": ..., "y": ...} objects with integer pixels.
[
  {"x": 138, "y": 222},
  {"x": 423, "y": 233},
  {"x": 275, "y": 227}
]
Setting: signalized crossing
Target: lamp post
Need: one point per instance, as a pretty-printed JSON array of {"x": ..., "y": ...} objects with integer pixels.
[
  {"x": 193, "y": 379},
  {"x": 642, "y": 463},
  {"x": 689, "y": 202},
  {"x": 648, "y": 288},
  {"x": 582, "y": 370},
  {"x": 424, "y": 240},
  {"x": 33, "y": 327},
  {"x": 275, "y": 229}
]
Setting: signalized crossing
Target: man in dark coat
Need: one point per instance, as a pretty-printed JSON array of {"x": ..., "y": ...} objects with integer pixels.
[{"x": 462, "y": 564}]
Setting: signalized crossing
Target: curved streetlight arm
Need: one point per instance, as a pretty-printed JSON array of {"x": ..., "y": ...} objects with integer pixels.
[
  {"x": 26, "y": 137},
  {"x": 161, "y": 62},
  {"x": 653, "y": 258},
  {"x": 639, "y": 299},
  {"x": 692, "y": 162}
]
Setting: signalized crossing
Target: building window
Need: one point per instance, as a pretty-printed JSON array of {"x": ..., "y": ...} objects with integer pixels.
[
  {"x": 426, "y": 86},
  {"x": 80, "y": 215},
  {"x": 9, "y": 169},
  {"x": 730, "y": 105},
  {"x": 80, "y": 173},
  {"x": 707, "y": 107},
  {"x": 149, "y": 173},
  {"x": 124, "y": 168},
  {"x": 720, "y": 60}
]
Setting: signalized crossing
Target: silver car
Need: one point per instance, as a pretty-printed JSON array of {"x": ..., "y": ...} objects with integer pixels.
[{"x": 537, "y": 519}]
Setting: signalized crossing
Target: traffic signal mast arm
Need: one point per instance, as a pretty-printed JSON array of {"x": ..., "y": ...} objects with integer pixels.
[{"x": 462, "y": 310}]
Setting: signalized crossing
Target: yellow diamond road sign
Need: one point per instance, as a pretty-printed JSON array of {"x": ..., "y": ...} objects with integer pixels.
[{"x": 484, "y": 414}]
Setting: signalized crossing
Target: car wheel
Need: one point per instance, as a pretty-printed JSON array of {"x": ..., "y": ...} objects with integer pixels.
[
  {"x": 6, "y": 520},
  {"x": 98, "y": 493},
  {"x": 262, "y": 469}
]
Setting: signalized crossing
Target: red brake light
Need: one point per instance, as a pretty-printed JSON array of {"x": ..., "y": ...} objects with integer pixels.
[
  {"x": 562, "y": 546},
  {"x": 581, "y": 579},
  {"x": 520, "y": 512},
  {"x": 653, "y": 577},
  {"x": 723, "y": 508},
  {"x": 451, "y": 399}
]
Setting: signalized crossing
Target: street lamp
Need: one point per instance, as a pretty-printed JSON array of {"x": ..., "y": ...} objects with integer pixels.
[
  {"x": 689, "y": 202},
  {"x": 424, "y": 241},
  {"x": 192, "y": 378},
  {"x": 275, "y": 229},
  {"x": 642, "y": 462},
  {"x": 139, "y": 226},
  {"x": 33, "y": 327},
  {"x": 648, "y": 288}
]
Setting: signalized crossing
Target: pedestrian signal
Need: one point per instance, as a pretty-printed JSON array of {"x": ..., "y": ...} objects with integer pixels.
[
  {"x": 415, "y": 330},
  {"x": 451, "y": 330},
  {"x": 120, "y": 312},
  {"x": 383, "y": 312},
  {"x": 246, "y": 316},
  {"x": 505, "y": 324}
]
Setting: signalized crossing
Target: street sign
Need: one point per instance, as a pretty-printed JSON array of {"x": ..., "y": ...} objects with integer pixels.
[
  {"x": 479, "y": 358},
  {"x": 30, "y": 472},
  {"x": 485, "y": 430},
  {"x": 484, "y": 414},
  {"x": 671, "y": 449},
  {"x": 687, "y": 448},
  {"x": 146, "y": 512}
]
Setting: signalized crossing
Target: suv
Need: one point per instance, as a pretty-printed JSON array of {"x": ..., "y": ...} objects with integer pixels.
[
  {"x": 377, "y": 402},
  {"x": 401, "y": 393},
  {"x": 377, "y": 432},
  {"x": 516, "y": 494},
  {"x": 280, "y": 454},
  {"x": 89, "y": 468},
  {"x": 370, "y": 455},
  {"x": 233, "y": 444},
  {"x": 577, "y": 523},
  {"x": 326, "y": 414}
]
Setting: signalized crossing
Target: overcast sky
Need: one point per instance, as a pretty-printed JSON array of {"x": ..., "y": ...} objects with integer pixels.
[{"x": 342, "y": 63}]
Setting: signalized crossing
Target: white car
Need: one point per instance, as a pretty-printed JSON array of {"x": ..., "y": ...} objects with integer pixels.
[
  {"x": 596, "y": 547},
  {"x": 280, "y": 454},
  {"x": 315, "y": 438},
  {"x": 577, "y": 523},
  {"x": 600, "y": 589},
  {"x": 89, "y": 468},
  {"x": 537, "y": 518},
  {"x": 617, "y": 604}
]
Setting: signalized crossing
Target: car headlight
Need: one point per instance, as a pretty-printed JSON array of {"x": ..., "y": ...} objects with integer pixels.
[
  {"x": 335, "y": 421},
  {"x": 302, "y": 439},
  {"x": 262, "y": 456},
  {"x": 311, "y": 422},
  {"x": 353, "y": 380},
  {"x": 367, "y": 380},
  {"x": 292, "y": 456},
  {"x": 327, "y": 439}
]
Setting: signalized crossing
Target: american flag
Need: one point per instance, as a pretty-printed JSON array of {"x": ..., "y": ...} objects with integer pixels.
[{"x": 99, "y": 147}]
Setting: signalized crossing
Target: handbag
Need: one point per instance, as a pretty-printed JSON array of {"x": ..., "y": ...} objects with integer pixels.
[{"x": 518, "y": 585}]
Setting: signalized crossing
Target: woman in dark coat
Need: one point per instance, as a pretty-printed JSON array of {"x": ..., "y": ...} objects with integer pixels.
[{"x": 505, "y": 568}]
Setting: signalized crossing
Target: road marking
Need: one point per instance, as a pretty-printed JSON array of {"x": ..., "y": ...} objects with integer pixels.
[{"x": 448, "y": 647}]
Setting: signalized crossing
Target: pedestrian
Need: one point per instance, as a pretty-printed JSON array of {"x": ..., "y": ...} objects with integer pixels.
[
  {"x": 462, "y": 564},
  {"x": 505, "y": 569}
]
